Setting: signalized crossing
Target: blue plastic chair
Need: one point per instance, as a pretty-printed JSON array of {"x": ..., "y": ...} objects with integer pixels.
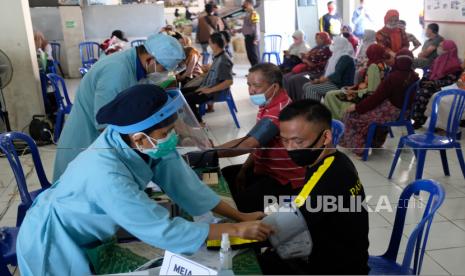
[
  {"x": 224, "y": 96},
  {"x": 8, "y": 237},
  {"x": 420, "y": 143},
  {"x": 272, "y": 48},
  {"x": 403, "y": 120},
  {"x": 205, "y": 57},
  {"x": 56, "y": 53},
  {"x": 337, "y": 128},
  {"x": 63, "y": 103},
  {"x": 386, "y": 264},
  {"x": 83, "y": 71},
  {"x": 89, "y": 52},
  {"x": 8, "y": 148},
  {"x": 137, "y": 42}
]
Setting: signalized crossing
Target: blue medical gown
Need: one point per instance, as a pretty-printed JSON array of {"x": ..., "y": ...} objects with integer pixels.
[
  {"x": 102, "y": 189},
  {"x": 108, "y": 77}
]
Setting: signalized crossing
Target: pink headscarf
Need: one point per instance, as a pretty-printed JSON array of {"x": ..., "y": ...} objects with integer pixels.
[{"x": 446, "y": 63}]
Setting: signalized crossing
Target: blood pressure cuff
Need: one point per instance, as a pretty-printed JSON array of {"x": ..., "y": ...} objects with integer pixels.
[
  {"x": 202, "y": 159},
  {"x": 264, "y": 131}
]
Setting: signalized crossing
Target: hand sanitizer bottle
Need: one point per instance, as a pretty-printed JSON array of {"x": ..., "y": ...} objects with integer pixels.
[{"x": 225, "y": 256}]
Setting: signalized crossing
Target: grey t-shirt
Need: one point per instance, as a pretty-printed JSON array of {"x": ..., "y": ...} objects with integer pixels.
[
  {"x": 220, "y": 71},
  {"x": 432, "y": 42}
]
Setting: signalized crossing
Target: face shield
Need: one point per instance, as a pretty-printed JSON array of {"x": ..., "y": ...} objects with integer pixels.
[{"x": 191, "y": 136}]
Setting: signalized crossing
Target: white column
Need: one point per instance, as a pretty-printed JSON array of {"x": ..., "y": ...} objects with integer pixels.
[
  {"x": 23, "y": 95},
  {"x": 73, "y": 34}
]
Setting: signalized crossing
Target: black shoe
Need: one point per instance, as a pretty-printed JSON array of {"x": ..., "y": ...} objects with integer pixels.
[{"x": 417, "y": 125}]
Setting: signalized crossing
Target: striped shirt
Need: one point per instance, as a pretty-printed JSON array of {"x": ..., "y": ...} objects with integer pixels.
[{"x": 274, "y": 160}]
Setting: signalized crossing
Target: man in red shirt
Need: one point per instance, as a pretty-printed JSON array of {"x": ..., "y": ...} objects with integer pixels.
[{"x": 268, "y": 169}]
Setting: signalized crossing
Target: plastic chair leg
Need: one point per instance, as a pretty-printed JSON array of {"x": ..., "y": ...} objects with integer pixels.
[
  {"x": 21, "y": 214},
  {"x": 61, "y": 69},
  {"x": 421, "y": 156},
  {"x": 58, "y": 126},
  {"x": 231, "y": 110},
  {"x": 410, "y": 129},
  {"x": 369, "y": 140},
  {"x": 4, "y": 270},
  {"x": 391, "y": 134},
  {"x": 460, "y": 158},
  {"x": 264, "y": 57},
  {"x": 445, "y": 164},
  {"x": 234, "y": 104},
  {"x": 202, "y": 109},
  {"x": 400, "y": 146}
]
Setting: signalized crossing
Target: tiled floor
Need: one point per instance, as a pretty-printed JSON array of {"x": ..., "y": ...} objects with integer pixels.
[{"x": 446, "y": 245}]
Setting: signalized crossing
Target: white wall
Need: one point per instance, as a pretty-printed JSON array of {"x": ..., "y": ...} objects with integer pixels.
[
  {"x": 279, "y": 17},
  {"x": 136, "y": 20},
  {"x": 307, "y": 21},
  {"x": 47, "y": 20}
]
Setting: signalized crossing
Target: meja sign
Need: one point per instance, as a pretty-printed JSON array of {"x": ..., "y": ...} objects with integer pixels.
[
  {"x": 70, "y": 24},
  {"x": 174, "y": 264}
]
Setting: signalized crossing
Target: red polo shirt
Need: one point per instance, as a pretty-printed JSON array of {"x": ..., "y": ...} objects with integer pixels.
[{"x": 274, "y": 161}]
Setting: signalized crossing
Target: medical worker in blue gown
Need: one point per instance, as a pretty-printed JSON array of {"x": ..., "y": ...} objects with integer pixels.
[
  {"x": 109, "y": 76},
  {"x": 103, "y": 189}
]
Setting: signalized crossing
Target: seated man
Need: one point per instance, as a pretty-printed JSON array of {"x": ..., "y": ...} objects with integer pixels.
[
  {"x": 267, "y": 171},
  {"x": 429, "y": 50},
  {"x": 219, "y": 77},
  {"x": 340, "y": 237}
]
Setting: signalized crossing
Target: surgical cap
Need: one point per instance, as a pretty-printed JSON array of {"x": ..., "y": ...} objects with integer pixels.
[
  {"x": 166, "y": 50},
  {"x": 133, "y": 106}
]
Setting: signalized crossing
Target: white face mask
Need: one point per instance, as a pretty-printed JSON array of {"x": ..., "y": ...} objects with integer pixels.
[
  {"x": 155, "y": 77},
  {"x": 391, "y": 26},
  {"x": 440, "y": 51}
]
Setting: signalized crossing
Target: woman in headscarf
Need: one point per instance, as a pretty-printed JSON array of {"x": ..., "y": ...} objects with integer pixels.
[
  {"x": 361, "y": 60},
  {"x": 44, "y": 51},
  {"x": 294, "y": 54},
  {"x": 369, "y": 38},
  {"x": 384, "y": 105},
  {"x": 193, "y": 66},
  {"x": 346, "y": 31},
  {"x": 391, "y": 36},
  {"x": 312, "y": 66},
  {"x": 337, "y": 101},
  {"x": 340, "y": 71},
  {"x": 446, "y": 69},
  {"x": 446, "y": 105}
]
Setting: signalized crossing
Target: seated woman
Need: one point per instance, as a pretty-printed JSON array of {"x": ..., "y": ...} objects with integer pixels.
[
  {"x": 361, "y": 59},
  {"x": 312, "y": 66},
  {"x": 445, "y": 70},
  {"x": 218, "y": 78},
  {"x": 445, "y": 106},
  {"x": 117, "y": 42},
  {"x": 339, "y": 71},
  {"x": 44, "y": 52},
  {"x": 346, "y": 32},
  {"x": 382, "y": 106},
  {"x": 294, "y": 54},
  {"x": 337, "y": 101},
  {"x": 193, "y": 66}
]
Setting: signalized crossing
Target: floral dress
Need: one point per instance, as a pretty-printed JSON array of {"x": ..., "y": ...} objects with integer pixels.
[{"x": 424, "y": 93}]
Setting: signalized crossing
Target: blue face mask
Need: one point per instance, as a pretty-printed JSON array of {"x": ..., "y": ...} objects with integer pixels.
[{"x": 260, "y": 99}]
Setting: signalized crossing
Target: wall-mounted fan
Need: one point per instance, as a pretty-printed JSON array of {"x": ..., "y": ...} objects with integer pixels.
[{"x": 6, "y": 73}]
